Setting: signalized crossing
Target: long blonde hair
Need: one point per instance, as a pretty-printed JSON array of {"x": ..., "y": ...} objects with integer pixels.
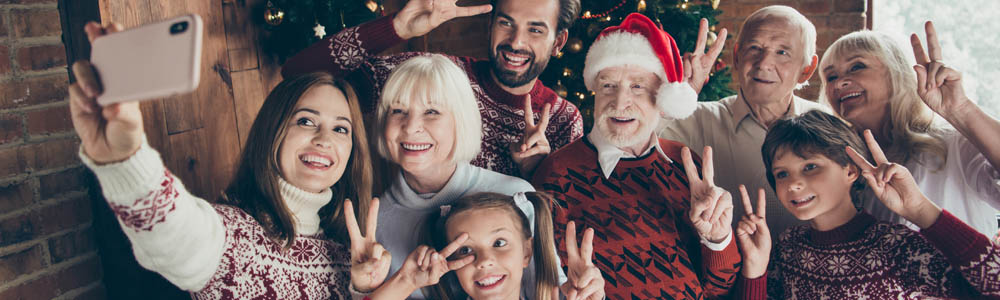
[
  {"x": 914, "y": 128},
  {"x": 543, "y": 244}
]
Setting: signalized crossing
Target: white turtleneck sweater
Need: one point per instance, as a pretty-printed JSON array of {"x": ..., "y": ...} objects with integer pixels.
[{"x": 220, "y": 251}]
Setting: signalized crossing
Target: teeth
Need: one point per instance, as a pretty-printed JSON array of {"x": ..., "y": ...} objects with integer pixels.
[
  {"x": 413, "y": 147},
  {"x": 489, "y": 280},
  {"x": 803, "y": 200},
  {"x": 622, "y": 119},
  {"x": 849, "y": 96},
  {"x": 515, "y": 60},
  {"x": 316, "y": 160}
]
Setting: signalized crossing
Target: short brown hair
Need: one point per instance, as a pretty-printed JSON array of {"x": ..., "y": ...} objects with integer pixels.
[{"x": 569, "y": 10}]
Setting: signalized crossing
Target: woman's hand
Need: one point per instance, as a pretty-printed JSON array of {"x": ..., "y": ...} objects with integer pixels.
[
  {"x": 894, "y": 185},
  {"x": 108, "y": 134},
  {"x": 585, "y": 279},
  {"x": 754, "y": 236},
  {"x": 938, "y": 85},
  {"x": 369, "y": 260},
  {"x": 711, "y": 206}
]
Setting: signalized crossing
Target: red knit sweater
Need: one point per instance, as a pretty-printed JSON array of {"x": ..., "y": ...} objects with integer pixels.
[
  {"x": 867, "y": 259},
  {"x": 352, "y": 54},
  {"x": 644, "y": 243}
]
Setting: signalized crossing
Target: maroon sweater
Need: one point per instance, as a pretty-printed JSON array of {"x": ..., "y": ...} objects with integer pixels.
[
  {"x": 644, "y": 243},
  {"x": 352, "y": 54},
  {"x": 866, "y": 258}
]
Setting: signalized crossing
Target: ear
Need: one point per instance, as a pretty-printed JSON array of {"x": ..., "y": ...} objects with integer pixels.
[
  {"x": 736, "y": 55},
  {"x": 853, "y": 172},
  {"x": 807, "y": 72},
  {"x": 561, "y": 37},
  {"x": 527, "y": 251}
]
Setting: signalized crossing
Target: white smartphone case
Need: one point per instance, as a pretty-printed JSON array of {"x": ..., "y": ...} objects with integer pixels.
[{"x": 150, "y": 61}]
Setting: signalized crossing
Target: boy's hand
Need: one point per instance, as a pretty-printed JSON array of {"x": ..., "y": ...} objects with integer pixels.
[
  {"x": 894, "y": 185},
  {"x": 754, "y": 236}
]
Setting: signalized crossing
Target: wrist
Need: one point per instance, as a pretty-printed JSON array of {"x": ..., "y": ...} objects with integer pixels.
[
  {"x": 399, "y": 26},
  {"x": 753, "y": 272},
  {"x": 961, "y": 112},
  {"x": 925, "y": 215}
]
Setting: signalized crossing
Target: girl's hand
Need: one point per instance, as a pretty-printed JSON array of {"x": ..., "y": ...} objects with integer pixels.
[
  {"x": 108, "y": 134},
  {"x": 534, "y": 146},
  {"x": 711, "y": 206},
  {"x": 938, "y": 85},
  {"x": 424, "y": 266},
  {"x": 369, "y": 260},
  {"x": 894, "y": 185},
  {"x": 585, "y": 280},
  {"x": 754, "y": 236}
]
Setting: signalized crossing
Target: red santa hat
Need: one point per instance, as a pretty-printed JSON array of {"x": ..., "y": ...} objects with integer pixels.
[{"x": 641, "y": 43}]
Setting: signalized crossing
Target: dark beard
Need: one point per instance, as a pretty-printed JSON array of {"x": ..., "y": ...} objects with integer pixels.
[{"x": 511, "y": 78}]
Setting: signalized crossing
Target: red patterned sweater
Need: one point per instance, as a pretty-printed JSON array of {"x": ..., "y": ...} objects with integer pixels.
[
  {"x": 352, "y": 54},
  {"x": 219, "y": 251},
  {"x": 644, "y": 243},
  {"x": 868, "y": 259}
]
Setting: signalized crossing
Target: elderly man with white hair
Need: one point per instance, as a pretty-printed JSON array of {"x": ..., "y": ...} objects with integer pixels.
[
  {"x": 774, "y": 54},
  {"x": 664, "y": 230}
]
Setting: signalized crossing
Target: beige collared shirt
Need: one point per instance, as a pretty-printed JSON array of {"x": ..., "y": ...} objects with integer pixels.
[{"x": 736, "y": 137}]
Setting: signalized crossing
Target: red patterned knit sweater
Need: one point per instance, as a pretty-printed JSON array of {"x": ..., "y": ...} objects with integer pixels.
[
  {"x": 352, "y": 54},
  {"x": 644, "y": 243},
  {"x": 868, "y": 259}
]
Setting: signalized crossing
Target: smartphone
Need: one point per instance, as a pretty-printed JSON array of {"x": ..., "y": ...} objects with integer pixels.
[{"x": 151, "y": 61}]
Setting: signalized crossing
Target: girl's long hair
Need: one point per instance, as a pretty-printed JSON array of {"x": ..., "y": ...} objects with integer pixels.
[
  {"x": 543, "y": 245},
  {"x": 254, "y": 187}
]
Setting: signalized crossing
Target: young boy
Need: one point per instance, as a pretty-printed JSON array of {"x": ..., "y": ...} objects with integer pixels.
[{"x": 814, "y": 165}]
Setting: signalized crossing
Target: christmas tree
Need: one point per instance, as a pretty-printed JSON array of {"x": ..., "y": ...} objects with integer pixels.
[
  {"x": 293, "y": 25},
  {"x": 680, "y": 18}
]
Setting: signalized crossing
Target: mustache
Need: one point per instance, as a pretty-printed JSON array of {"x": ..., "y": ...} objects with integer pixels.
[{"x": 508, "y": 48}]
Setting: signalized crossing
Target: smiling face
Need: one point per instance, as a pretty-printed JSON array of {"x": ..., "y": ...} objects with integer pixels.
[
  {"x": 523, "y": 36},
  {"x": 420, "y": 137},
  {"x": 625, "y": 102},
  {"x": 769, "y": 60},
  {"x": 501, "y": 251},
  {"x": 814, "y": 188},
  {"x": 857, "y": 86},
  {"x": 317, "y": 143}
]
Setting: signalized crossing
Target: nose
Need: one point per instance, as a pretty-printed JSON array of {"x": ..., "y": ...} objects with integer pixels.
[
  {"x": 413, "y": 124},
  {"x": 842, "y": 83},
  {"x": 766, "y": 61},
  {"x": 622, "y": 99},
  {"x": 323, "y": 138},
  {"x": 795, "y": 184},
  {"x": 484, "y": 260}
]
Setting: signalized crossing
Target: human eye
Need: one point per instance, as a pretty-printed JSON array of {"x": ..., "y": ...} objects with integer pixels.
[
  {"x": 784, "y": 52},
  {"x": 780, "y": 174},
  {"x": 499, "y": 243},
  {"x": 463, "y": 251},
  {"x": 857, "y": 66},
  {"x": 535, "y": 30},
  {"x": 809, "y": 167},
  {"x": 831, "y": 78},
  {"x": 504, "y": 23},
  {"x": 396, "y": 111},
  {"x": 342, "y": 129},
  {"x": 431, "y": 111},
  {"x": 305, "y": 122}
]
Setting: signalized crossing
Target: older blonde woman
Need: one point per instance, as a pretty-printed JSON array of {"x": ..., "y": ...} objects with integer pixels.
[{"x": 869, "y": 80}]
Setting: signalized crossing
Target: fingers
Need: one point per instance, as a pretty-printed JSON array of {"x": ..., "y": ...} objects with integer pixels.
[
  {"x": 707, "y": 167},
  {"x": 918, "y": 50},
  {"x": 536, "y": 150},
  {"x": 875, "y": 149},
  {"x": 353, "y": 230},
  {"x": 921, "y": 79},
  {"x": 933, "y": 47},
  {"x": 747, "y": 207},
  {"x": 573, "y": 254},
  {"x": 873, "y": 183},
  {"x": 86, "y": 77},
  {"x": 461, "y": 263},
  {"x": 465, "y": 11},
  {"x": 79, "y": 104},
  {"x": 720, "y": 42},
  {"x": 859, "y": 160},
  {"x": 529, "y": 113},
  {"x": 699, "y": 46},
  {"x": 421, "y": 252},
  {"x": 689, "y": 166},
  {"x": 454, "y": 245},
  {"x": 946, "y": 74},
  {"x": 587, "y": 247},
  {"x": 761, "y": 203},
  {"x": 544, "y": 122},
  {"x": 372, "y": 221},
  {"x": 590, "y": 286},
  {"x": 724, "y": 202}
]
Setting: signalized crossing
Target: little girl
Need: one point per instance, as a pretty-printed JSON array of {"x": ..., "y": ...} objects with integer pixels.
[
  {"x": 488, "y": 241},
  {"x": 846, "y": 254}
]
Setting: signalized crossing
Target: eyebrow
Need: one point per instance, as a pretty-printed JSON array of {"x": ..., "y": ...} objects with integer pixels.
[
  {"x": 531, "y": 23},
  {"x": 849, "y": 59},
  {"x": 313, "y": 111}
]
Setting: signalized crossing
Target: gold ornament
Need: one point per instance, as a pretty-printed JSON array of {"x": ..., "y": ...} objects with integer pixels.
[
  {"x": 586, "y": 14},
  {"x": 560, "y": 89},
  {"x": 715, "y": 4},
  {"x": 567, "y": 72},
  {"x": 371, "y": 5},
  {"x": 711, "y": 38},
  {"x": 641, "y": 7},
  {"x": 574, "y": 45},
  {"x": 559, "y": 55},
  {"x": 272, "y": 15}
]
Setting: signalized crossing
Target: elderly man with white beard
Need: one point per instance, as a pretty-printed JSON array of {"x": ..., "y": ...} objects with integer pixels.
[{"x": 657, "y": 212}]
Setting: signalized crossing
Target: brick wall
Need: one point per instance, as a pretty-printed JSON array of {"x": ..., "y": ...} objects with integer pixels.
[
  {"x": 47, "y": 245},
  {"x": 833, "y": 18}
]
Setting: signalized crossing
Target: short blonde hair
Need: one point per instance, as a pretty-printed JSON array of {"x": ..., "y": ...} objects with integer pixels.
[
  {"x": 914, "y": 128},
  {"x": 441, "y": 83}
]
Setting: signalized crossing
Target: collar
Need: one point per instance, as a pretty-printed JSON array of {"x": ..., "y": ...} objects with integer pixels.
[
  {"x": 304, "y": 206},
  {"x": 741, "y": 110},
  {"x": 404, "y": 196},
  {"x": 843, "y": 233},
  {"x": 608, "y": 155}
]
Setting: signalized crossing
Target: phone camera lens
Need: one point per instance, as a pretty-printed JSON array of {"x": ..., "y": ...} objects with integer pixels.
[{"x": 178, "y": 27}]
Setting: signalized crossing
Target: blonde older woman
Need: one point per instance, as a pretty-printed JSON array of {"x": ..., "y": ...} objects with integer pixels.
[
  {"x": 431, "y": 128},
  {"x": 869, "y": 80}
]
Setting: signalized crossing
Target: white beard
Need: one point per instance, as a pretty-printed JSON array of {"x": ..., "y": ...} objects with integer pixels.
[{"x": 626, "y": 139}]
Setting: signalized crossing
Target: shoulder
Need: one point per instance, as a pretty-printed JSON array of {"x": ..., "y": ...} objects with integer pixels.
[
  {"x": 569, "y": 154},
  {"x": 673, "y": 149},
  {"x": 809, "y": 105},
  {"x": 491, "y": 181}
]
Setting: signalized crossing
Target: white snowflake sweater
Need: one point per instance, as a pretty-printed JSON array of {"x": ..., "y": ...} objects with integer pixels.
[{"x": 219, "y": 251}]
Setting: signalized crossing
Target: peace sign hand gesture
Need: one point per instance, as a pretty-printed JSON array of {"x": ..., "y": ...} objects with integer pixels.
[
  {"x": 894, "y": 185},
  {"x": 698, "y": 65},
  {"x": 585, "y": 280},
  {"x": 938, "y": 85},
  {"x": 754, "y": 236},
  {"x": 419, "y": 17},
  {"x": 533, "y": 146},
  {"x": 711, "y": 206},
  {"x": 369, "y": 260},
  {"x": 425, "y": 266}
]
